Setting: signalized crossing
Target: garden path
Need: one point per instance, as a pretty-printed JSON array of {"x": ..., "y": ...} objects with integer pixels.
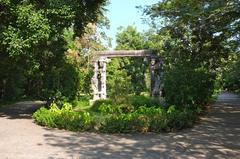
[{"x": 217, "y": 135}]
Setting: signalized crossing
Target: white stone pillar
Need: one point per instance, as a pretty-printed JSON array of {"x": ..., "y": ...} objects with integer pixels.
[
  {"x": 103, "y": 77},
  {"x": 99, "y": 84},
  {"x": 95, "y": 81}
]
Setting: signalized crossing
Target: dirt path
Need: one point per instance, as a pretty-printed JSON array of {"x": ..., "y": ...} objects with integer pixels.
[{"x": 218, "y": 136}]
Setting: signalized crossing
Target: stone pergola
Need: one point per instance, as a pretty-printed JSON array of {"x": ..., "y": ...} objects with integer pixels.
[{"x": 100, "y": 71}]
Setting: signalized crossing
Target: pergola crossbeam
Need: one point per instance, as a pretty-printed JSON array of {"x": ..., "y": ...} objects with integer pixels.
[{"x": 125, "y": 53}]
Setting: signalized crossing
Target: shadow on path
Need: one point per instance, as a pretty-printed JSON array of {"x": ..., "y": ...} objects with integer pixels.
[
  {"x": 216, "y": 136},
  {"x": 20, "y": 110}
]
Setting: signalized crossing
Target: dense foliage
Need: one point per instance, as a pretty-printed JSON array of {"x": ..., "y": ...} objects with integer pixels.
[
  {"x": 193, "y": 39},
  {"x": 64, "y": 118},
  {"x": 187, "y": 87},
  {"x": 142, "y": 116},
  {"x": 134, "y": 70},
  {"x": 118, "y": 81},
  {"x": 231, "y": 74},
  {"x": 32, "y": 46},
  {"x": 46, "y": 48}
]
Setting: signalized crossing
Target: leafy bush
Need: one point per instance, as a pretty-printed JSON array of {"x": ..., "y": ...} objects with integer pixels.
[
  {"x": 118, "y": 83},
  {"x": 138, "y": 101},
  {"x": 130, "y": 104},
  {"x": 98, "y": 103},
  {"x": 109, "y": 109},
  {"x": 81, "y": 103},
  {"x": 231, "y": 75},
  {"x": 110, "y": 118},
  {"x": 127, "y": 123},
  {"x": 149, "y": 120},
  {"x": 115, "y": 109},
  {"x": 187, "y": 87},
  {"x": 64, "y": 118}
]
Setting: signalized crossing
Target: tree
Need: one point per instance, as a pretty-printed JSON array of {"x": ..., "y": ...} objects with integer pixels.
[
  {"x": 231, "y": 73},
  {"x": 197, "y": 36},
  {"x": 205, "y": 30},
  {"x": 130, "y": 39},
  {"x": 118, "y": 82},
  {"x": 32, "y": 44},
  {"x": 80, "y": 52}
]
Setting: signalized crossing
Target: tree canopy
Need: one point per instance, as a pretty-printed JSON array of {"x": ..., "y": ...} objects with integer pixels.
[
  {"x": 195, "y": 38},
  {"x": 205, "y": 30},
  {"x": 32, "y": 44}
]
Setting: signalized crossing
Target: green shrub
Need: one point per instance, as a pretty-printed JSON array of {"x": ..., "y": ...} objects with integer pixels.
[
  {"x": 119, "y": 82},
  {"x": 109, "y": 109},
  {"x": 128, "y": 105},
  {"x": 81, "y": 103},
  {"x": 231, "y": 75},
  {"x": 98, "y": 103},
  {"x": 117, "y": 124},
  {"x": 64, "y": 118},
  {"x": 126, "y": 123},
  {"x": 138, "y": 101},
  {"x": 44, "y": 117},
  {"x": 126, "y": 108},
  {"x": 187, "y": 87},
  {"x": 149, "y": 120},
  {"x": 122, "y": 118},
  {"x": 178, "y": 119}
]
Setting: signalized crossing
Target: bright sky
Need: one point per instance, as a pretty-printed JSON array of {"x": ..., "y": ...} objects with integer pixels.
[{"x": 124, "y": 13}]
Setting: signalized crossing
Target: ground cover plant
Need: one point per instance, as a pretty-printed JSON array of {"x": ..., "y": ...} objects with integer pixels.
[{"x": 105, "y": 116}]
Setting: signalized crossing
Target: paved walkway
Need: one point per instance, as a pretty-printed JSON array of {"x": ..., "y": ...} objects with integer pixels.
[{"x": 217, "y": 136}]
